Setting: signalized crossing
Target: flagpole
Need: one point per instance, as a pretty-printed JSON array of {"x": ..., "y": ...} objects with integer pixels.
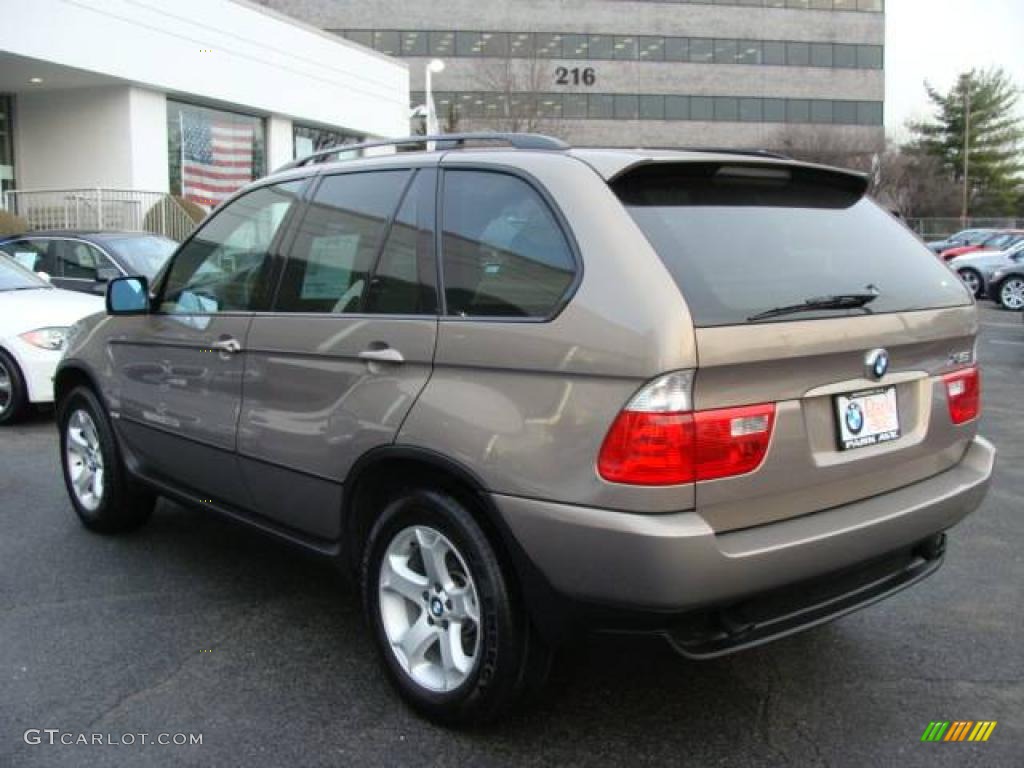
[{"x": 181, "y": 134}]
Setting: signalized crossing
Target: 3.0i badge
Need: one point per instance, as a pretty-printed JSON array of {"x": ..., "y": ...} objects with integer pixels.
[{"x": 876, "y": 363}]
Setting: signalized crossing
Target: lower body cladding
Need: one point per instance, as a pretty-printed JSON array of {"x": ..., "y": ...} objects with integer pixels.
[{"x": 714, "y": 593}]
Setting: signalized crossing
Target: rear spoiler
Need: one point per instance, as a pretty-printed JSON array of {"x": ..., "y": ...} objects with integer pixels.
[
  {"x": 751, "y": 167},
  {"x": 746, "y": 181}
]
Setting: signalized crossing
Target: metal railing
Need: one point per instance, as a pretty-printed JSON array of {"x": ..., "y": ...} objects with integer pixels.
[
  {"x": 941, "y": 228},
  {"x": 100, "y": 209}
]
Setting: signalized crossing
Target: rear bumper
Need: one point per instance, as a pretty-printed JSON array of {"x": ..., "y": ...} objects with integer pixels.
[{"x": 676, "y": 564}]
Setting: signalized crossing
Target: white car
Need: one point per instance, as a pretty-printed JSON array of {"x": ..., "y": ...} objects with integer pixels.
[
  {"x": 34, "y": 320},
  {"x": 976, "y": 269}
]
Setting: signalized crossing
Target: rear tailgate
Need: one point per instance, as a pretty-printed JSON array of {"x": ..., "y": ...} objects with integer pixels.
[
  {"x": 763, "y": 254},
  {"x": 802, "y": 367}
]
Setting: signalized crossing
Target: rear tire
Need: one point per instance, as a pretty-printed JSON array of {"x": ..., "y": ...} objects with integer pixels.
[
  {"x": 448, "y": 625},
  {"x": 972, "y": 280},
  {"x": 1011, "y": 293},
  {"x": 14, "y": 404},
  {"x": 105, "y": 498}
]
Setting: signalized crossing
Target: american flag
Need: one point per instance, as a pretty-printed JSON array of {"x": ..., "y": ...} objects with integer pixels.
[{"x": 216, "y": 157}]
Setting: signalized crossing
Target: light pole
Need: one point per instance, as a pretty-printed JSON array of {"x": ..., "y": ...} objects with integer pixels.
[
  {"x": 435, "y": 66},
  {"x": 967, "y": 151}
]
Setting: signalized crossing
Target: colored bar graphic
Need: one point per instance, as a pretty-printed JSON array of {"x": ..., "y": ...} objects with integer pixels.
[{"x": 959, "y": 730}]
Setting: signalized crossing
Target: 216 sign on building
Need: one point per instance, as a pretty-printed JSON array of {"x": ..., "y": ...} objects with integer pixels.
[{"x": 575, "y": 76}]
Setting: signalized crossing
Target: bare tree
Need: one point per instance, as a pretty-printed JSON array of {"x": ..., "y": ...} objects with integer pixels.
[
  {"x": 903, "y": 179},
  {"x": 519, "y": 85}
]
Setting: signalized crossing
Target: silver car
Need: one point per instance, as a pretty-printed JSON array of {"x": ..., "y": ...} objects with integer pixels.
[
  {"x": 977, "y": 269},
  {"x": 522, "y": 392}
]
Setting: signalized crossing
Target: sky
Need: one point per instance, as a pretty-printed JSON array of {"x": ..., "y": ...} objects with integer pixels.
[{"x": 936, "y": 40}]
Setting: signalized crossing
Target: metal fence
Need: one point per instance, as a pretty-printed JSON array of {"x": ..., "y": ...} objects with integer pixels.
[
  {"x": 98, "y": 208},
  {"x": 939, "y": 229}
]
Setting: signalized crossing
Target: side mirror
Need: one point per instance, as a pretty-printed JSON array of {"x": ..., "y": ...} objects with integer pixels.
[
  {"x": 43, "y": 276},
  {"x": 106, "y": 274},
  {"x": 128, "y": 296}
]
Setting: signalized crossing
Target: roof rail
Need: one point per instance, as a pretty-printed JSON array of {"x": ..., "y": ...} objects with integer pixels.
[
  {"x": 739, "y": 152},
  {"x": 441, "y": 141}
]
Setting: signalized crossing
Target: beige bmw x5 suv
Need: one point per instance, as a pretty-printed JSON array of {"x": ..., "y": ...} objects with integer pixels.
[{"x": 522, "y": 392}]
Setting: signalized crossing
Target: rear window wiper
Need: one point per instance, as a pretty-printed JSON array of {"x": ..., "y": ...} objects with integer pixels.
[{"x": 835, "y": 301}]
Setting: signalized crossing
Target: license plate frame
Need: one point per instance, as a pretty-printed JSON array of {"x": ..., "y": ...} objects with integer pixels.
[{"x": 875, "y": 410}]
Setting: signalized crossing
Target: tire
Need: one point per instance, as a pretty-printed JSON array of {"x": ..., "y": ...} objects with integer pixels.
[
  {"x": 105, "y": 498},
  {"x": 14, "y": 404},
  {"x": 491, "y": 661},
  {"x": 972, "y": 280},
  {"x": 1011, "y": 293}
]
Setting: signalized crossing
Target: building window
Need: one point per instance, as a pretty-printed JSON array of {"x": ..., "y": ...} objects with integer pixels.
[
  {"x": 442, "y": 43},
  {"x": 652, "y": 49},
  {"x": 308, "y": 139},
  {"x": 702, "y": 108},
  {"x": 212, "y": 153},
  {"x": 869, "y": 56},
  {"x": 702, "y": 50},
  {"x": 415, "y": 44},
  {"x": 677, "y": 107},
  {"x": 6, "y": 144},
  {"x": 602, "y": 106},
  {"x": 387, "y": 42},
  {"x": 653, "y": 106},
  {"x": 774, "y": 53},
  {"x": 547, "y": 45},
  {"x": 602, "y": 47},
  {"x": 677, "y": 49},
  {"x": 844, "y": 56}
]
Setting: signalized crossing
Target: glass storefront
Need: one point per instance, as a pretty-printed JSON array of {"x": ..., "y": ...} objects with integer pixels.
[
  {"x": 309, "y": 139},
  {"x": 212, "y": 153},
  {"x": 6, "y": 142}
]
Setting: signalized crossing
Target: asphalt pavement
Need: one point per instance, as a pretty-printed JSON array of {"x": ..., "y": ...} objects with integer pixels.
[{"x": 196, "y": 626}]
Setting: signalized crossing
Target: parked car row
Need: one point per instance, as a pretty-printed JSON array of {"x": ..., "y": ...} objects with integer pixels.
[
  {"x": 971, "y": 240},
  {"x": 994, "y": 274}
]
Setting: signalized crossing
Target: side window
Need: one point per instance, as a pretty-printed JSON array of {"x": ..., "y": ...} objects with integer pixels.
[
  {"x": 226, "y": 264},
  {"x": 504, "y": 253},
  {"x": 403, "y": 282},
  {"x": 336, "y": 245},
  {"x": 79, "y": 261},
  {"x": 31, "y": 254}
]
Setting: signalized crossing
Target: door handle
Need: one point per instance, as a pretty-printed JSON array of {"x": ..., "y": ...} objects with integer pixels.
[
  {"x": 230, "y": 346},
  {"x": 385, "y": 355}
]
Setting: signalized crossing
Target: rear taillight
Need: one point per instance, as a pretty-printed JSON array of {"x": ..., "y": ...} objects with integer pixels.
[
  {"x": 732, "y": 441},
  {"x": 963, "y": 393},
  {"x": 659, "y": 440}
]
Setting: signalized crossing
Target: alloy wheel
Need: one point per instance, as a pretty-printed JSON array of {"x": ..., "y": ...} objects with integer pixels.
[
  {"x": 1012, "y": 293},
  {"x": 970, "y": 279},
  {"x": 429, "y": 608},
  {"x": 85, "y": 460},
  {"x": 6, "y": 389}
]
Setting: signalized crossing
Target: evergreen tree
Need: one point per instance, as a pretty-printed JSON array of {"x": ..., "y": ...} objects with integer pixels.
[{"x": 994, "y": 142}]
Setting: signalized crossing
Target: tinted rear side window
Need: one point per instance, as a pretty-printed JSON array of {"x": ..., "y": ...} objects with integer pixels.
[
  {"x": 739, "y": 241},
  {"x": 505, "y": 254},
  {"x": 337, "y": 242}
]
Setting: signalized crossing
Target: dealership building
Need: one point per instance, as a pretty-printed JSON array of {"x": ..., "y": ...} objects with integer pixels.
[
  {"x": 106, "y": 102},
  {"x": 659, "y": 73}
]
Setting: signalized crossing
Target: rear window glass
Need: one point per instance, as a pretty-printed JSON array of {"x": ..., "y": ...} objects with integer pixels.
[{"x": 743, "y": 240}]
